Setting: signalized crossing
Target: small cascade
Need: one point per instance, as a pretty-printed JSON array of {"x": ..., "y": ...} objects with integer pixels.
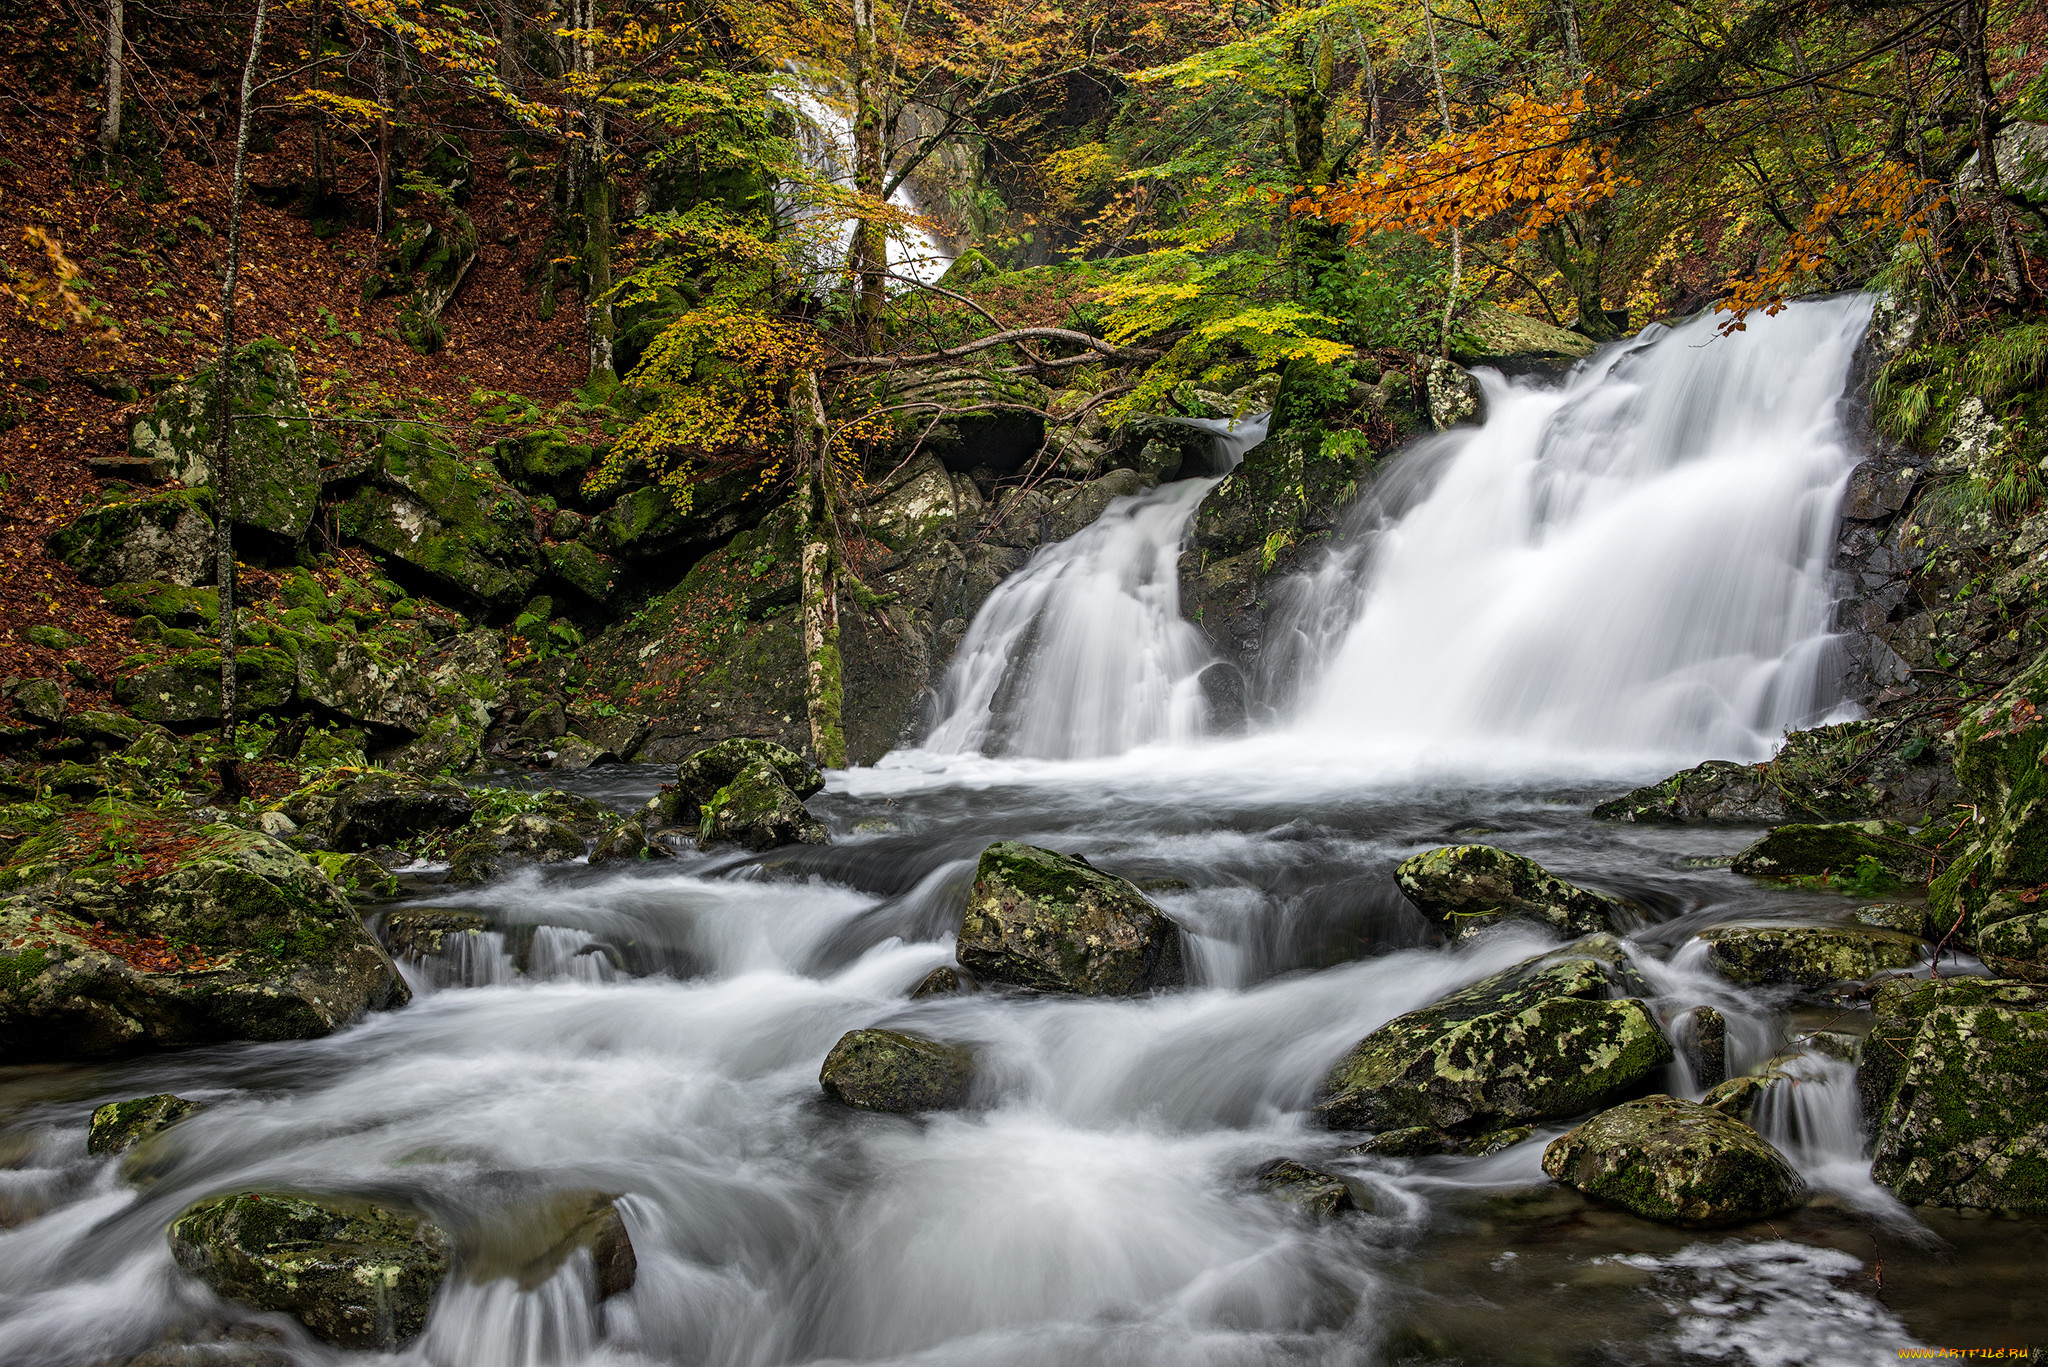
[
  {"x": 825, "y": 131},
  {"x": 1634, "y": 563},
  {"x": 1084, "y": 653},
  {"x": 1814, "y": 1114}
]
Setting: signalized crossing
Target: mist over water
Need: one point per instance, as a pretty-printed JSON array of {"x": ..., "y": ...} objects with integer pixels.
[{"x": 1607, "y": 575}]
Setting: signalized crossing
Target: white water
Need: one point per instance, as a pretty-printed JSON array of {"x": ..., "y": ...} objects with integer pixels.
[
  {"x": 1083, "y": 653},
  {"x": 827, "y": 138}
]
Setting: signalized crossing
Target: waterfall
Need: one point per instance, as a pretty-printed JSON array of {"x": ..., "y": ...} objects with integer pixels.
[
  {"x": 1083, "y": 652},
  {"x": 1636, "y": 561},
  {"x": 826, "y": 132}
]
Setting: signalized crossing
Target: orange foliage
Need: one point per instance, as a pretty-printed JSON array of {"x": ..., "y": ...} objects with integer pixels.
[{"x": 1527, "y": 164}]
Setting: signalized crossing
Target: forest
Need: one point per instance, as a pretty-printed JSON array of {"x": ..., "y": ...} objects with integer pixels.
[{"x": 1131, "y": 681}]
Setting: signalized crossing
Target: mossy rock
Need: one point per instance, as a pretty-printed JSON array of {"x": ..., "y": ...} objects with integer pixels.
[
  {"x": 759, "y": 811},
  {"x": 494, "y": 848},
  {"x": 1515, "y": 342},
  {"x": 356, "y": 1275},
  {"x": 1466, "y": 888},
  {"x": 1898, "y": 1009},
  {"x": 1544, "y": 1040},
  {"x": 166, "y": 602},
  {"x": 644, "y": 527},
  {"x": 165, "y": 536},
  {"x": 624, "y": 843},
  {"x": 361, "y": 878},
  {"x": 1053, "y": 922},
  {"x": 1870, "y": 855},
  {"x": 1811, "y": 956},
  {"x": 449, "y": 521},
  {"x": 594, "y": 576},
  {"x": 278, "y": 450},
  {"x": 183, "y": 689},
  {"x": 422, "y": 932},
  {"x": 119, "y": 1126},
  {"x": 1677, "y": 1162},
  {"x": 1966, "y": 1124},
  {"x": 893, "y": 1070},
  {"x": 130, "y": 929},
  {"x": 1315, "y": 1193},
  {"x": 352, "y": 812},
  {"x": 715, "y": 766}
]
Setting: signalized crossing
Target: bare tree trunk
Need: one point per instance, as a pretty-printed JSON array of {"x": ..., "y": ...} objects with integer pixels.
[
  {"x": 1443, "y": 104},
  {"x": 382, "y": 92},
  {"x": 597, "y": 214},
  {"x": 117, "y": 47},
  {"x": 824, "y": 686},
  {"x": 508, "y": 45},
  {"x": 223, "y": 440},
  {"x": 870, "y": 239},
  {"x": 1977, "y": 77}
]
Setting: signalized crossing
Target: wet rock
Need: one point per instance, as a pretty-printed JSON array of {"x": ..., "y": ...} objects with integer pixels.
[
  {"x": 530, "y": 1242},
  {"x": 356, "y": 1275},
  {"x": 1702, "y": 1039},
  {"x": 183, "y": 688},
  {"x": 224, "y": 934},
  {"x": 1964, "y": 1122},
  {"x": 1851, "y": 770},
  {"x": 705, "y": 772},
  {"x": 1412, "y": 1141},
  {"x": 1892, "y": 916},
  {"x": 1223, "y": 692},
  {"x": 1040, "y": 919},
  {"x": 403, "y": 685},
  {"x": 1543, "y": 1040},
  {"x": 1812, "y": 956},
  {"x": 1455, "y": 397},
  {"x": 167, "y": 536},
  {"x": 893, "y": 1070},
  {"x": 1871, "y": 854},
  {"x": 1839, "y": 1045},
  {"x": 278, "y": 449},
  {"x": 120, "y": 1125},
  {"x": 494, "y": 848},
  {"x": 422, "y": 933},
  {"x": 1677, "y": 1162},
  {"x": 758, "y": 811},
  {"x": 1898, "y": 1009},
  {"x": 623, "y": 843},
  {"x": 1316, "y": 1193},
  {"x": 362, "y": 879},
  {"x": 574, "y": 754},
  {"x": 362, "y": 811},
  {"x": 943, "y": 981},
  {"x": 1466, "y": 888},
  {"x": 449, "y": 521}
]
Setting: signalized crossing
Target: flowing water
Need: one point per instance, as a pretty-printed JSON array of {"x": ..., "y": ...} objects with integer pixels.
[{"x": 656, "y": 1032}]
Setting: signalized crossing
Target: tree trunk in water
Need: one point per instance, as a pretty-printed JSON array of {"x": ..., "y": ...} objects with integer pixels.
[
  {"x": 1443, "y": 104},
  {"x": 223, "y": 440},
  {"x": 824, "y": 687},
  {"x": 117, "y": 44},
  {"x": 870, "y": 239}
]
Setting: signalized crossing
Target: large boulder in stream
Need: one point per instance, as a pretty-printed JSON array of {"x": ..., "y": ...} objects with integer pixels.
[
  {"x": 1054, "y": 922},
  {"x": 1465, "y": 888},
  {"x": 1676, "y": 1161},
  {"x": 356, "y": 1275},
  {"x": 894, "y": 1070},
  {"x": 360, "y": 811},
  {"x": 1951, "y": 1080},
  {"x": 119, "y": 1126},
  {"x": 745, "y": 792},
  {"x": 1871, "y": 856},
  {"x": 127, "y": 928},
  {"x": 1544, "y": 1040},
  {"x": 1811, "y": 956}
]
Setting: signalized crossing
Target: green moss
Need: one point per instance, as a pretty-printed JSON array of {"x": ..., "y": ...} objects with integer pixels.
[{"x": 17, "y": 971}]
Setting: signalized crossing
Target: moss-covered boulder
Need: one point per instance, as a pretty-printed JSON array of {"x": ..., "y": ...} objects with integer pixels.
[
  {"x": 1850, "y": 770},
  {"x": 745, "y": 792},
  {"x": 894, "y": 1070},
  {"x": 356, "y": 1275},
  {"x": 1676, "y": 1161},
  {"x": 715, "y": 766},
  {"x": 128, "y": 929},
  {"x": 1965, "y": 1121},
  {"x": 427, "y": 259},
  {"x": 625, "y": 843},
  {"x": 119, "y": 1126},
  {"x": 1311, "y": 1190},
  {"x": 1456, "y": 398},
  {"x": 1466, "y": 888},
  {"x": 2001, "y": 743},
  {"x": 278, "y": 450},
  {"x": 644, "y": 526},
  {"x": 360, "y": 878},
  {"x": 451, "y": 522},
  {"x": 424, "y": 932},
  {"x": 1811, "y": 956},
  {"x": 360, "y": 811},
  {"x": 494, "y": 848},
  {"x": 1514, "y": 342},
  {"x": 183, "y": 688},
  {"x": 1868, "y": 855},
  {"x": 163, "y": 536},
  {"x": 1053, "y": 922},
  {"x": 1544, "y": 1040}
]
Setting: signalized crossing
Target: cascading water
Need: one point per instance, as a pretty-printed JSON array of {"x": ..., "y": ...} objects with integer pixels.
[
  {"x": 1083, "y": 652},
  {"x": 1634, "y": 562},
  {"x": 827, "y": 138}
]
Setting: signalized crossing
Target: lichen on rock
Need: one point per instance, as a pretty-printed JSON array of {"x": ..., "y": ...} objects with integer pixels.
[
  {"x": 1676, "y": 1161},
  {"x": 894, "y": 1070},
  {"x": 1053, "y": 922},
  {"x": 1465, "y": 888},
  {"x": 1811, "y": 956}
]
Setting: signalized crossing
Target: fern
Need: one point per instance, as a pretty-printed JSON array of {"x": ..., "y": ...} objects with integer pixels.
[{"x": 2007, "y": 361}]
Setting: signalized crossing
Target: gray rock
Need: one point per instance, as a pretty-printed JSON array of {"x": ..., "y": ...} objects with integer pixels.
[
  {"x": 1677, "y": 1162},
  {"x": 1455, "y": 398},
  {"x": 1314, "y": 1192},
  {"x": 1053, "y": 922},
  {"x": 1464, "y": 889},
  {"x": 894, "y": 1070}
]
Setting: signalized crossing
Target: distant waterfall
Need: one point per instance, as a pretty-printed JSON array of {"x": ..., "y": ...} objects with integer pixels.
[
  {"x": 1083, "y": 652},
  {"x": 826, "y": 135},
  {"x": 1636, "y": 561}
]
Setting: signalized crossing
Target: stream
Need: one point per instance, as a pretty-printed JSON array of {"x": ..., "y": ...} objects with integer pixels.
[{"x": 1611, "y": 579}]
